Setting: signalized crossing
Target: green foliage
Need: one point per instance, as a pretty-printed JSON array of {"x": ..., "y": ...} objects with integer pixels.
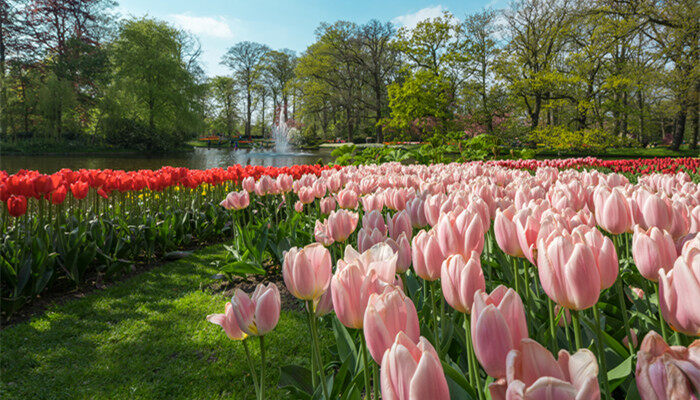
[
  {"x": 134, "y": 134},
  {"x": 584, "y": 141}
]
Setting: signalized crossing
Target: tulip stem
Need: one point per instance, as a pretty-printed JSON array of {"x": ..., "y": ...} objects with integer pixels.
[
  {"x": 262, "y": 367},
  {"x": 313, "y": 348},
  {"x": 314, "y": 338},
  {"x": 623, "y": 307},
  {"x": 252, "y": 368},
  {"x": 515, "y": 275},
  {"x": 375, "y": 381},
  {"x": 434, "y": 315},
  {"x": 601, "y": 353},
  {"x": 552, "y": 329},
  {"x": 664, "y": 334},
  {"x": 577, "y": 328},
  {"x": 471, "y": 358},
  {"x": 367, "y": 365}
]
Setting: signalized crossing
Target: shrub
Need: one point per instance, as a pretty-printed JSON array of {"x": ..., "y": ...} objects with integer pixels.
[
  {"x": 560, "y": 139},
  {"x": 133, "y": 134}
]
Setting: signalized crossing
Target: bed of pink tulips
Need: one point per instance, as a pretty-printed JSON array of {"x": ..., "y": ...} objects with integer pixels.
[{"x": 478, "y": 281}]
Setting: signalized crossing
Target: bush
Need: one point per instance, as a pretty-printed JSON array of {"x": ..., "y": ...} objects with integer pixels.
[
  {"x": 133, "y": 134},
  {"x": 560, "y": 139}
]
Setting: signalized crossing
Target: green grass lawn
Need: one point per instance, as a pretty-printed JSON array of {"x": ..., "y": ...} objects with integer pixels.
[{"x": 143, "y": 338}]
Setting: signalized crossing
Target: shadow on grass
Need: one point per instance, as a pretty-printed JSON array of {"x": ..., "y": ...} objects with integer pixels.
[{"x": 143, "y": 338}]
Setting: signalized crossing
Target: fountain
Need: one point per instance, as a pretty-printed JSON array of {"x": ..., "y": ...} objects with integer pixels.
[{"x": 280, "y": 133}]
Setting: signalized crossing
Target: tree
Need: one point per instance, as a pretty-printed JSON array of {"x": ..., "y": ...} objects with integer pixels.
[
  {"x": 223, "y": 91},
  {"x": 151, "y": 75},
  {"x": 536, "y": 31},
  {"x": 246, "y": 61},
  {"x": 279, "y": 68}
]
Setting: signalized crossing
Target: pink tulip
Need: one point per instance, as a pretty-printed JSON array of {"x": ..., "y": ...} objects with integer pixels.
[
  {"x": 350, "y": 290},
  {"x": 228, "y": 322},
  {"x": 498, "y": 325},
  {"x": 373, "y": 202},
  {"x": 319, "y": 188},
  {"x": 679, "y": 291},
  {"x": 505, "y": 232},
  {"x": 532, "y": 373},
  {"x": 248, "y": 184},
  {"x": 398, "y": 224},
  {"x": 460, "y": 234},
  {"x": 402, "y": 247},
  {"x": 327, "y": 205},
  {"x": 265, "y": 186},
  {"x": 306, "y": 195},
  {"x": 321, "y": 233},
  {"x": 527, "y": 227},
  {"x": 374, "y": 220},
  {"x": 681, "y": 220},
  {"x": 386, "y": 315},
  {"x": 412, "y": 372},
  {"x": 367, "y": 239},
  {"x": 694, "y": 220},
  {"x": 612, "y": 211},
  {"x": 298, "y": 206},
  {"x": 341, "y": 224},
  {"x": 236, "y": 200},
  {"x": 427, "y": 256},
  {"x": 652, "y": 251},
  {"x": 416, "y": 212},
  {"x": 568, "y": 272},
  {"x": 604, "y": 252},
  {"x": 657, "y": 212},
  {"x": 379, "y": 258},
  {"x": 635, "y": 340},
  {"x": 307, "y": 271},
  {"x": 460, "y": 279},
  {"x": 347, "y": 199},
  {"x": 666, "y": 372},
  {"x": 285, "y": 182},
  {"x": 258, "y": 314},
  {"x": 325, "y": 303},
  {"x": 432, "y": 208}
]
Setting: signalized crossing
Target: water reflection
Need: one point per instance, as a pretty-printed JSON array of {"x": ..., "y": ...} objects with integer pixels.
[{"x": 200, "y": 158}]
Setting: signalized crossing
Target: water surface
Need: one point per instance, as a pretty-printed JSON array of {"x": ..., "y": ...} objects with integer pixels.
[{"x": 200, "y": 158}]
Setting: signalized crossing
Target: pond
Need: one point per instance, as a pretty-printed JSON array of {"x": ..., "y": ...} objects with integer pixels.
[{"x": 199, "y": 158}]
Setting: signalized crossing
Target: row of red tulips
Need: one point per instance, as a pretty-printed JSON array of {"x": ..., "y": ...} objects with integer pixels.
[
  {"x": 573, "y": 263},
  {"x": 631, "y": 166}
]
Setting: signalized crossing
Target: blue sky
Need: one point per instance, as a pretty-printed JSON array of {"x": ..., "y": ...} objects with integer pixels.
[{"x": 282, "y": 23}]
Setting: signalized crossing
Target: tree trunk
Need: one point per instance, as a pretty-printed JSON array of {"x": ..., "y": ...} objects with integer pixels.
[
  {"x": 248, "y": 114},
  {"x": 262, "y": 127},
  {"x": 535, "y": 113},
  {"x": 696, "y": 118},
  {"x": 348, "y": 114},
  {"x": 640, "y": 104},
  {"x": 679, "y": 126}
]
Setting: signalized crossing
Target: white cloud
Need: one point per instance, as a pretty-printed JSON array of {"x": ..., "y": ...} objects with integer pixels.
[
  {"x": 411, "y": 20},
  {"x": 206, "y": 26}
]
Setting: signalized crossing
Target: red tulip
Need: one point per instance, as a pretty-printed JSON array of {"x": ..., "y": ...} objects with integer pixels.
[
  {"x": 16, "y": 205},
  {"x": 58, "y": 195},
  {"x": 79, "y": 189}
]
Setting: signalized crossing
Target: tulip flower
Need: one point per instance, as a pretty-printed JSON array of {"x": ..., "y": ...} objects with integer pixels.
[
  {"x": 398, "y": 224},
  {"x": 306, "y": 195},
  {"x": 412, "y": 371},
  {"x": 228, "y": 322},
  {"x": 350, "y": 291},
  {"x": 612, "y": 211},
  {"x": 679, "y": 291},
  {"x": 666, "y": 372},
  {"x": 307, "y": 271},
  {"x": 386, "y": 315},
  {"x": 416, "y": 212},
  {"x": 347, "y": 199},
  {"x": 380, "y": 258},
  {"x": 603, "y": 251},
  {"x": 373, "y": 202},
  {"x": 341, "y": 224},
  {"x": 327, "y": 205},
  {"x": 505, "y": 232},
  {"x": 652, "y": 251},
  {"x": 374, "y": 220},
  {"x": 568, "y": 272},
  {"x": 498, "y": 325},
  {"x": 325, "y": 303},
  {"x": 16, "y": 205},
  {"x": 657, "y": 212},
  {"x": 460, "y": 279},
  {"x": 427, "y": 256},
  {"x": 236, "y": 200},
  {"x": 58, "y": 196},
  {"x": 533, "y": 373},
  {"x": 527, "y": 227},
  {"x": 80, "y": 189},
  {"x": 321, "y": 233},
  {"x": 248, "y": 184},
  {"x": 460, "y": 234},
  {"x": 367, "y": 239},
  {"x": 258, "y": 314},
  {"x": 402, "y": 247}
]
